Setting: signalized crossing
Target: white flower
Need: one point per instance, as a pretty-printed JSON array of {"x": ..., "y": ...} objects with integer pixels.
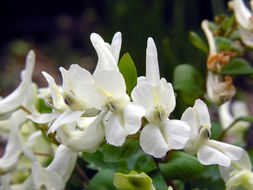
[
  {"x": 208, "y": 151},
  {"x": 158, "y": 98},
  {"x": 87, "y": 138},
  {"x": 13, "y": 148},
  {"x": 66, "y": 119},
  {"x": 239, "y": 174},
  {"x": 244, "y": 18},
  {"x": 53, "y": 177},
  {"x": 123, "y": 117},
  {"x": 57, "y": 173},
  {"x": 242, "y": 14},
  {"x": 79, "y": 89},
  {"x": 61, "y": 114},
  {"x": 23, "y": 92},
  {"x": 246, "y": 37},
  {"x": 227, "y": 117}
]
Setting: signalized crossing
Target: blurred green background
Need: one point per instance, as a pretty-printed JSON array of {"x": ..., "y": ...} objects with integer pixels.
[{"x": 59, "y": 33}]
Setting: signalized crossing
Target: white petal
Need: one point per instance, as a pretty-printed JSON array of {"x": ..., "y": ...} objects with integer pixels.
[
  {"x": 75, "y": 76},
  {"x": 209, "y": 156},
  {"x": 116, "y": 45},
  {"x": 225, "y": 115},
  {"x": 30, "y": 61},
  {"x": 114, "y": 131},
  {"x": 132, "y": 118},
  {"x": 152, "y": 141},
  {"x": 143, "y": 94},
  {"x": 5, "y": 182},
  {"x": 63, "y": 167},
  {"x": 152, "y": 67},
  {"x": 86, "y": 140},
  {"x": 58, "y": 100},
  {"x": 106, "y": 60},
  {"x": 246, "y": 37},
  {"x": 177, "y": 132},
  {"x": 43, "y": 118},
  {"x": 202, "y": 113},
  {"x": 210, "y": 37},
  {"x": 165, "y": 96},
  {"x": 141, "y": 79},
  {"x": 42, "y": 177},
  {"x": 79, "y": 82},
  {"x": 189, "y": 116},
  {"x": 6, "y": 125},
  {"x": 242, "y": 14},
  {"x": 233, "y": 152},
  {"x": 26, "y": 185},
  {"x": 12, "y": 150},
  {"x": 244, "y": 162},
  {"x": 13, "y": 100},
  {"x": 240, "y": 109},
  {"x": 66, "y": 117},
  {"x": 240, "y": 179},
  {"x": 110, "y": 83},
  {"x": 225, "y": 172}
]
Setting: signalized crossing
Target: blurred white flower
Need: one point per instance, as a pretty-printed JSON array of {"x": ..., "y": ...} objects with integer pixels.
[
  {"x": 239, "y": 174},
  {"x": 244, "y": 18},
  {"x": 219, "y": 88},
  {"x": 208, "y": 151},
  {"x": 243, "y": 14},
  {"x": 23, "y": 93},
  {"x": 228, "y": 113},
  {"x": 157, "y": 97}
]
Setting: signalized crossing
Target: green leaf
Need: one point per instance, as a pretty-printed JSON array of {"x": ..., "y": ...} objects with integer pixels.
[
  {"x": 198, "y": 42},
  {"x": 42, "y": 107},
  {"x": 158, "y": 181},
  {"x": 145, "y": 163},
  {"x": 103, "y": 180},
  {"x": 216, "y": 130},
  {"x": 237, "y": 66},
  {"x": 248, "y": 119},
  {"x": 181, "y": 166},
  {"x": 187, "y": 79},
  {"x": 128, "y": 70},
  {"x": 225, "y": 44},
  {"x": 96, "y": 161},
  {"x": 116, "y": 154},
  {"x": 228, "y": 22}
]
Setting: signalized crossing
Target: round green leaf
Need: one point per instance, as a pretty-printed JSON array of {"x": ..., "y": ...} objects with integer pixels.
[
  {"x": 237, "y": 66},
  {"x": 181, "y": 166},
  {"x": 187, "y": 79},
  {"x": 116, "y": 154}
]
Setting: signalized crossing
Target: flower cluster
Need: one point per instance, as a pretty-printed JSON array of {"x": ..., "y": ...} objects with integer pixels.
[{"x": 90, "y": 108}]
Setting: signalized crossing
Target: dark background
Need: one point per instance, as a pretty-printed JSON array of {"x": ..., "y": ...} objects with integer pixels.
[{"x": 59, "y": 33}]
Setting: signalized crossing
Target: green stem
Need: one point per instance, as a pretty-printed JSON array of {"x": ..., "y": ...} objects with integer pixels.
[
  {"x": 223, "y": 134},
  {"x": 168, "y": 182},
  {"x": 26, "y": 110}
]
